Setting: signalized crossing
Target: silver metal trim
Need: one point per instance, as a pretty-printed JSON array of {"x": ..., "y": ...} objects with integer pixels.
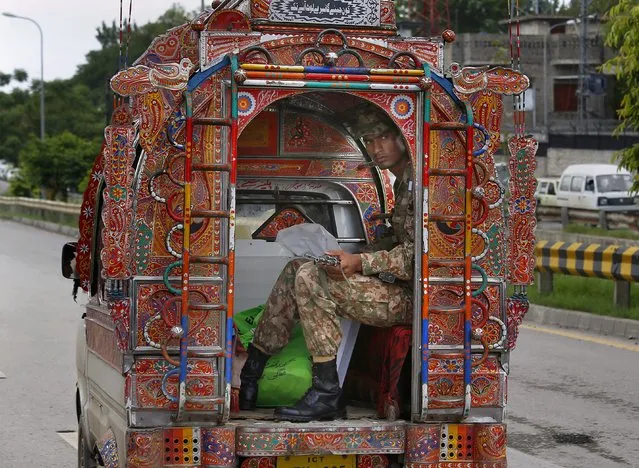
[{"x": 419, "y": 402}]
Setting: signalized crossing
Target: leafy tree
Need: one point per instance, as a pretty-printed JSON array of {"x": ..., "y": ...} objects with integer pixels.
[
  {"x": 20, "y": 75},
  {"x": 19, "y": 117},
  {"x": 57, "y": 163},
  {"x": 102, "y": 64},
  {"x": 623, "y": 35},
  {"x": 76, "y": 111},
  {"x": 69, "y": 107},
  {"x": 83, "y": 118},
  {"x": 5, "y": 79}
]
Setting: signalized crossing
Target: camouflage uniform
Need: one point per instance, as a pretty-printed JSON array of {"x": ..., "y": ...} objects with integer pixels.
[{"x": 304, "y": 291}]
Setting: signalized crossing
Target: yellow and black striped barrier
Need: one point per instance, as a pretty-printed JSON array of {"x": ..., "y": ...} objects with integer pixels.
[{"x": 578, "y": 259}]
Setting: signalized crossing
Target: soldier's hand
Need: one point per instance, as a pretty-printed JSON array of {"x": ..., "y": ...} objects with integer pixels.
[{"x": 349, "y": 265}]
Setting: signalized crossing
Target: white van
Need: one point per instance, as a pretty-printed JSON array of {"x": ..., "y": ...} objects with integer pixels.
[
  {"x": 597, "y": 187},
  {"x": 546, "y": 192}
]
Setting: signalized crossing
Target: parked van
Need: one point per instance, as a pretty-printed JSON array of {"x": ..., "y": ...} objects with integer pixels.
[
  {"x": 597, "y": 187},
  {"x": 546, "y": 193}
]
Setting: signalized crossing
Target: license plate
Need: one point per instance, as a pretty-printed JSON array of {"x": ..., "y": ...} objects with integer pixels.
[{"x": 318, "y": 461}]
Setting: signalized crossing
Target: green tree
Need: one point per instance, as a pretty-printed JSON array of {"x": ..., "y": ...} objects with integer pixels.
[
  {"x": 69, "y": 107},
  {"x": 20, "y": 75},
  {"x": 58, "y": 163},
  {"x": 19, "y": 117},
  {"x": 623, "y": 36},
  {"x": 102, "y": 64},
  {"x": 76, "y": 109}
]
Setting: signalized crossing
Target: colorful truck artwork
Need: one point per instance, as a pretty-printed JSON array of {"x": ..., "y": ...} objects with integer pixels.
[{"x": 229, "y": 129}]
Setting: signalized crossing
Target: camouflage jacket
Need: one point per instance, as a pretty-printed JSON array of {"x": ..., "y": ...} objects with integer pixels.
[{"x": 400, "y": 259}]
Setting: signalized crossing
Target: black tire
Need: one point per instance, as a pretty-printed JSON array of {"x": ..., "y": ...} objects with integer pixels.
[{"x": 85, "y": 454}]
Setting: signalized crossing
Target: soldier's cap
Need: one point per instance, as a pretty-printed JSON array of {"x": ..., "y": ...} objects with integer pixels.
[{"x": 368, "y": 121}]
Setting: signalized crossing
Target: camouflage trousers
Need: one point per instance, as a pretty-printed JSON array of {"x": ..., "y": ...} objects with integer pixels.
[{"x": 304, "y": 292}]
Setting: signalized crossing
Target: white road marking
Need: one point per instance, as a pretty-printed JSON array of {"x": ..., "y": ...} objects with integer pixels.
[
  {"x": 577, "y": 335},
  {"x": 70, "y": 438},
  {"x": 2, "y": 376},
  {"x": 517, "y": 459}
]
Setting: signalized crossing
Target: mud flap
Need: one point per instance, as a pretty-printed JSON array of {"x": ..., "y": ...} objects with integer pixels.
[{"x": 108, "y": 450}]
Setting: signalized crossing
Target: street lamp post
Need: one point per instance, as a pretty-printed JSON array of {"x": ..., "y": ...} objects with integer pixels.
[{"x": 11, "y": 15}]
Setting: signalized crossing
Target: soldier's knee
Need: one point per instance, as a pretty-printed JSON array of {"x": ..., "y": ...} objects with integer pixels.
[{"x": 307, "y": 275}]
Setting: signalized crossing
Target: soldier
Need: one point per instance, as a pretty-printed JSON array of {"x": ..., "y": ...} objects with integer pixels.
[{"x": 374, "y": 288}]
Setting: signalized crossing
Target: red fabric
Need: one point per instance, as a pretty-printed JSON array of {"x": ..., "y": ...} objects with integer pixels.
[{"x": 391, "y": 347}]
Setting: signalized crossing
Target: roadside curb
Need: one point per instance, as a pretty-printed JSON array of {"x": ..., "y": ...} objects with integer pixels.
[
  {"x": 584, "y": 321},
  {"x": 47, "y": 226}
]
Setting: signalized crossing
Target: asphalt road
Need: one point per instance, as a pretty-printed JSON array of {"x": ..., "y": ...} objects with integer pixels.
[
  {"x": 37, "y": 332},
  {"x": 572, "y": 402}
]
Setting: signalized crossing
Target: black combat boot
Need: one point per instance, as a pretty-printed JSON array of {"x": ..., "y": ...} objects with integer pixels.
[
  {"x": 251, "y": 373},
  {"x": 323, "y": 401}
]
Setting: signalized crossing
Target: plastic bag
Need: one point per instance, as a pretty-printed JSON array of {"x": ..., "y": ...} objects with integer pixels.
[
  {"x": 307, "y": 238},
  {"x": 288, "y": 374}
]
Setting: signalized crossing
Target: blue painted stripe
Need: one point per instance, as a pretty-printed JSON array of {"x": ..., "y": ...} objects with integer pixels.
[
  {"x": 165, "y": 380},
  {"x": 467, "y": 355},
  {"x": 198, "y": 78},
  {"x": 425, "y": 351},
  {"x": 447, "y": 86},
  {"x": 184, "y": 342}
]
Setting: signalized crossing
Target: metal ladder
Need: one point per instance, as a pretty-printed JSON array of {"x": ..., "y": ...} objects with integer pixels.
[
  {"x": 466, "y": 261},
  {"x": 227, "y": 259}
]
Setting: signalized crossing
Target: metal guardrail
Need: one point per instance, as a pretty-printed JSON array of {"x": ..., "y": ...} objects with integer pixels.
[
  {"x": 603, "y": 219},
  {"x": 620, "y": 264},
  {"x": 46, "y": 210},
  {"x": 35, "y": 203},
  {"x": 593, "y": 260}
]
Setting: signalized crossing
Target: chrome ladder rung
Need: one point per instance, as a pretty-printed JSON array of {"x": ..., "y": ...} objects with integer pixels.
[
  {"x": 446, "y": 262},
  {"x": 209, "y": 214},
  {"x": 212, "y": 167},
  {"x": 210, "y": 260},
  {"x": 448, "y": 126},
  {"x": 214, "y": 400},
  {"x": 441, "y": 217},
  {"x": 220, "y": 307},
  {"x": 447, "y": 400},
  {"x": 445, "y": 310},
  {"x": 447, "y": 172},
  {"x": 213, "y": 121}
]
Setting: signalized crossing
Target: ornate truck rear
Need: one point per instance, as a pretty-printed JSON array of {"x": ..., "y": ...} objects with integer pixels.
[{"x": 231, "y": 128}]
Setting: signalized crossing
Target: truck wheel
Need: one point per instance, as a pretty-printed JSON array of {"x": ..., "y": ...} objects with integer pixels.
[{"x": 85, "y": 456}]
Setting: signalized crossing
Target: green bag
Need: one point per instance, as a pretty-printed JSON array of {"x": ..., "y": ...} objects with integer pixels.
[{"x": 288, "y": 374}]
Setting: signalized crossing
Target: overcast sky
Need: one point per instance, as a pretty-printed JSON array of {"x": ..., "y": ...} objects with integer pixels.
[{"x": 69, "y": 31}]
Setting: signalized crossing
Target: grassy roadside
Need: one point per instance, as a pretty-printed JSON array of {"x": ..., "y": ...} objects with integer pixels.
[
  {"x": 64, "y": 221},
  {"x": 592, "y": 295},
  {"x": 595, "y": 231}
]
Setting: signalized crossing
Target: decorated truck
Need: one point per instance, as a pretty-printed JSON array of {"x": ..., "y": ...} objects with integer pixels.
[{"x": 228, "y": 130}]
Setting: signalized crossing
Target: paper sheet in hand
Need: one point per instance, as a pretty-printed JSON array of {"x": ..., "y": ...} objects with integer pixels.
[{"x": 307, "y": 238}]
